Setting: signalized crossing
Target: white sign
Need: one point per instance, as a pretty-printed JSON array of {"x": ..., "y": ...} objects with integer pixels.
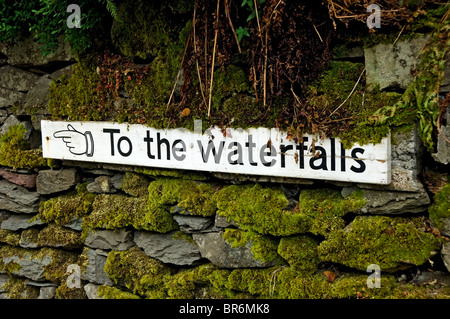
[{"x": 254, "y": 151}]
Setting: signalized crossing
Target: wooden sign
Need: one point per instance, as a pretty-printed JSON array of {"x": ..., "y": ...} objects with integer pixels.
[{"x": 254, "y": 151}]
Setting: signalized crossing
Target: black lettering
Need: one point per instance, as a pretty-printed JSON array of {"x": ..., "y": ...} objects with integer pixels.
[
  {"x": 342, "y": 158},
  {"x": 148, "y": 140},
  {"x": 250, "y": 146},
  {"x": 237, "y": 151},
  {"x": 119, "y": 148},
  {"x": 333, "y": 154},
  {"x": 111, "y": 131},
  {"x": 301, "y": 154},
  {"x": 181, "y": 149},
  {"x": 271, "y": 153},
  {"x": 362, "y": 165},
  {"x": 211, "y": 149},
  {"x": 322, "y": 157},
  {"x": 159, "y": 142},
  {"x": 283, "y": 150}
]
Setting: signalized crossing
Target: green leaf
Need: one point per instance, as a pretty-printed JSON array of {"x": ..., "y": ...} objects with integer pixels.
[{"x": 241, "y": 32}]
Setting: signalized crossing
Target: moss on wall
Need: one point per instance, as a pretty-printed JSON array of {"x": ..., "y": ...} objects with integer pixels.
[
  {"x": 392, "y": 243},
  {"x": 65, "y": 208},
  {"x": 440, "y": 209},
  {"x": 263, "y": 209},
  {"x": 14, "y": 152}
]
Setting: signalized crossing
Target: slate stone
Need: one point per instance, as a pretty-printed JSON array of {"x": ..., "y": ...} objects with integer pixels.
[
  {"x": 119, "y": 239},
  {"x": 393, "y": 66},
  {"x": 216, "y": 249},
  {"x": 19, "y": 222},
  {"x": 54, "y": 181},
  {"x": 25, "y": 180},
  {"x": 18, "y": 199},
  {"x": 189, "y": 224},
  {"x": 101, "y": 184},
  {"x": 445, "y": 254},
  {"x": 168, "y": 248},
  {"x": 16, "y": 79},
  {"x": 443, "y": 147},
  {"x": 94, "y": 271}
]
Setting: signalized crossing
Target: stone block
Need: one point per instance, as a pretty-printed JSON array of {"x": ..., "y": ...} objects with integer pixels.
[
  {"x": 17, "y": 199},
  {"x": 54, "y": 181},
  {"x": 119, "y": 239}
]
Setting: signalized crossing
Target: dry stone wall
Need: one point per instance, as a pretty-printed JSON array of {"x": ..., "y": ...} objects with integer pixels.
[{"x": 90, "y": 230}]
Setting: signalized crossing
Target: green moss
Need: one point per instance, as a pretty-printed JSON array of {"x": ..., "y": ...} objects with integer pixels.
[
  {"x": 192, "y": 196},
  {"x": 55, "y": 235},
  {"x": 161, "y": 172},
  {"x": 135, "y": 184},
  {"x": 65, "y": 208},
  {"x": 264, "y": 248},
  {"x": 263, "y": 210},
  {"x": 112, "y": 211},
  {"x": 56, "y": 260},
  {"x": 108, "y": 292},
  {"x": 300, "y": 252},
  {"x": 326, "y": 94},
  {"x": 76, "y": 97},
  {"x": 14, "y": 152},
  {"x": 146, "y": 28},
  {"x": 326, "y": 207},
  {"x": 440, "y": 209},
  {"x": 390, "y": 242},
  {"x": 137, "y": 272},
  {"x": 9, "y": 237},
  {"x": 17, "y": 288}
]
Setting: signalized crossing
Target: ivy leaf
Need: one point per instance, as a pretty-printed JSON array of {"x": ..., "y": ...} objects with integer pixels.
[{"x": 241, "y": 32}]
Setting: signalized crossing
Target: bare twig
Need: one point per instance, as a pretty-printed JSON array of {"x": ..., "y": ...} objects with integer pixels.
[
  {"x": 353, "y": 90},
  {"x": 318, "y": 33},
  {"x": 213, "y": 58},
  {"x": 227, "y": 13},
  {"x": 179, "y": 71},
  {"x": 196, "y": 60}
]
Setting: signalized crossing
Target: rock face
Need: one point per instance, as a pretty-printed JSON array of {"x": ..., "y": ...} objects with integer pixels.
[
  {"x": 54, "y": 181},
  {"x": 18, "y": 199},
  {"x": 191, "y": 224},
  {"x": 19, "y": 221},
  {"x": 25, "y": 180},
  {"x": 168, "y": 248},
  {"x": 443, "y": 147},
  {"x": 110, "y": 239},
  {"x": 27, "y": 53},
  {"x": 445, "y": 252},
  {"x": 392, "y": 66},
  {"x": 215, "y": 248},
  {"x": 94, "y": 271}
]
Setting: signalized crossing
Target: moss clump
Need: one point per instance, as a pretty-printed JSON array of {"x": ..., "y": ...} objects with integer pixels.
[
  {"x": 76, "y": 97},
  {"x": 326, "y": 94},
  {"x": 147, "y": 28},
  {"x": 263, "y": 210},
  {"x": 17, "y": 288},
  {"x": 326, "y": 207},
  {"x": 54, "y": 262},
  {"x": 259, "y": 209},
  {"x": 13, "y": 152},
  {"x": 300, "y": 252},
  {"x": 264, "y": 248},
  {"x": 389, "y": 242},
  {"x": 9, "y": 237},
  {"x": 108, "y": 292},
  {"x": 58, "y": 236},
  {"x": 112, "y": 211},
  {"x": 135, "y": 184},
  {"x": 440, "y": 209},
  {"x": 137, "y": 272},
  {"x": 65, "y": 208},
  {"x": 194, "y": 197}
]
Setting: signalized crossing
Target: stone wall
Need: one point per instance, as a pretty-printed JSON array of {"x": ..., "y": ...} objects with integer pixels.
[{"x": 87, "y": 230}]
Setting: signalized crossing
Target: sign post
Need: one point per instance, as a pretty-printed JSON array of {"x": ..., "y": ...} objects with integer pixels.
[{"x": 254, "y": 151}]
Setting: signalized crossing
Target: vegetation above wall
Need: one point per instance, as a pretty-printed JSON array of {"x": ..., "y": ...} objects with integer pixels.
[{"x": 166, "y": 63}]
